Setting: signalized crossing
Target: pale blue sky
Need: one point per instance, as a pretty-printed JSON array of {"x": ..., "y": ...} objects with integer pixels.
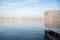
[{"x": 27, "y": 8}]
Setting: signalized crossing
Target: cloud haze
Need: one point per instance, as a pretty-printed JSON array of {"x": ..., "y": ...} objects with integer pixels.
[{"x": 27, "y": 8}]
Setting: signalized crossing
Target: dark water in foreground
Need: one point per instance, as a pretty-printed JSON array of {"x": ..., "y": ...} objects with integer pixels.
[{"x": 26, "y": 30}]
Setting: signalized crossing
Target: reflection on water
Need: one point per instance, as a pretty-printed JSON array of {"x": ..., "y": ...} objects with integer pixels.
[
  {"x": 23, "y": 30},
  {"x": 52, "y": 24}
]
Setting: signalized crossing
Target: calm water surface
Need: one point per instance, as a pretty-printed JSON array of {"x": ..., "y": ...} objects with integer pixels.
[{"x": 23, "y": 30}]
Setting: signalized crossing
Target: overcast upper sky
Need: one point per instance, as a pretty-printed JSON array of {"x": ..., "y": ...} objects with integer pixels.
[{"x": 27, "y": 8}]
